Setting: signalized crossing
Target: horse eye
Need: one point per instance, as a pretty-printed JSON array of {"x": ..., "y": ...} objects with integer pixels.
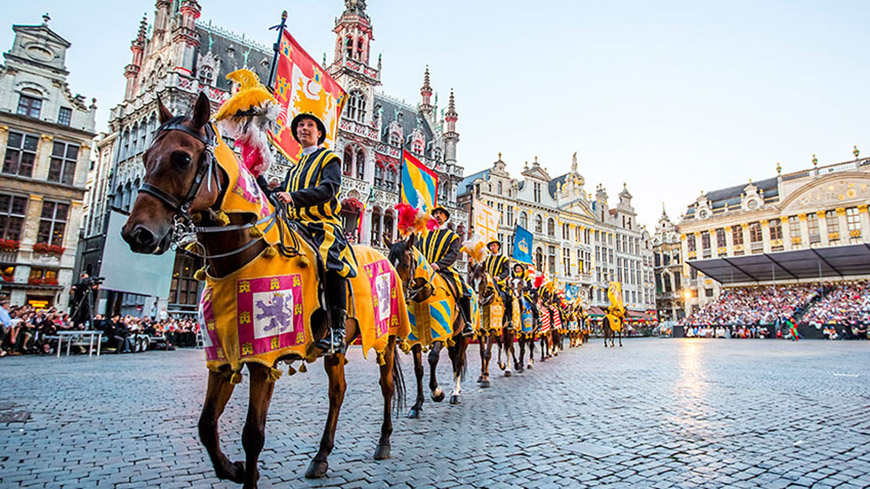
[{"x": 180, "y": 159}]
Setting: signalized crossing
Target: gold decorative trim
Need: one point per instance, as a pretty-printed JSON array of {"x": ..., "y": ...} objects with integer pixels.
[
  {"x": 855, "y": 233},
  {"x": 802, "y": 217},
  {"x": 833, "y": 236},
  {"x": 796, "y": 240},
  {"x": 841, "y": 211}
]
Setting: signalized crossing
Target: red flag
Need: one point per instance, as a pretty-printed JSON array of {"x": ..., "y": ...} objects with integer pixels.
[{"x": 301, "y": 85}]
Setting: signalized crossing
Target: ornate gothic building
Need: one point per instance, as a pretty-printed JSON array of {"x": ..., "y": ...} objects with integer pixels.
[
  {"x": 668, "y": 269},
  {"x": 176, "y": 57}
]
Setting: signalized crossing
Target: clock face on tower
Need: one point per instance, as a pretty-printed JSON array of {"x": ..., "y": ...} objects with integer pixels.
[
  {"x": 703, "y": 214},
  {"x": 752, "y": 204}
]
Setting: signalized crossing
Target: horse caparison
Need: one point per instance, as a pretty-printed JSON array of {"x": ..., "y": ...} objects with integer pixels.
[
  {"x": 173, "y": 160},
  {"x": 401, "y": 256}
]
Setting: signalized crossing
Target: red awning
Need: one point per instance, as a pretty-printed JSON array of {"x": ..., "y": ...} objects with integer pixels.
[
  {"x": 595, "y": 311},
  {"x": 639, "y": 316}
]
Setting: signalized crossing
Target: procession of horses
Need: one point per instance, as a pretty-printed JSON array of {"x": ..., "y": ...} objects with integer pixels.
[{"x": 264, "y": 303}]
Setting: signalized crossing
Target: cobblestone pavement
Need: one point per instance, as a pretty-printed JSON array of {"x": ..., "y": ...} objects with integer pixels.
[{"x": 656, "y": 413}]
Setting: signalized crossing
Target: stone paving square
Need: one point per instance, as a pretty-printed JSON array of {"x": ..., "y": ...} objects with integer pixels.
[{"x": 655, "y": 413}]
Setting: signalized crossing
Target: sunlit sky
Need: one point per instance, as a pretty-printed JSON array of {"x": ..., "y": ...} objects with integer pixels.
[{"x": 670, "y": 97}]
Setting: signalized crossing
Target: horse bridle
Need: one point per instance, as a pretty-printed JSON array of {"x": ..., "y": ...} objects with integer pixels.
[{"x": 181, "y": 208}]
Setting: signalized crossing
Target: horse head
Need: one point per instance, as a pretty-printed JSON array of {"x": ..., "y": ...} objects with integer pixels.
[
  {"x": 412, "y": 267},
  {"x": 177, "y": 164}
]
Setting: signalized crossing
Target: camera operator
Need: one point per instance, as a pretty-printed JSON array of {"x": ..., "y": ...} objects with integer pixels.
[{"x": 82, "y": 292}]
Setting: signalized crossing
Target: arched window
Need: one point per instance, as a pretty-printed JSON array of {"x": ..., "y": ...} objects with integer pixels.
[
  {"x": 551, "y": 227},
  {"x": 125, "y": 145},
  {"x": 524, "y": 220},
  {"x": 388, "y": 227},
  {"x": 391, "y": 177},
  {"x": 134, "y": 139},
  {"x": 206, "y": 75},
  {"x": 356, "y": 106},
  {"x": 539, "y": 260},
  {"x": 499, "y": 188},
  {"x": 360, "y": 164},
  {"x": 360, "y": 49},
  {"x": 379, "y": 174},
  {"x": 348, "y": 47},
  {"x": 143, "y": 135},
  {"x": 376, "y": 226},
  {"x": 539, "y": 224},
  {"x": 347, "y": 161},
  {"x": 396, "y": 139}
]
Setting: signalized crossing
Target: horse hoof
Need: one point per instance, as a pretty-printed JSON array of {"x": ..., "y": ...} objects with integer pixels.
[
  {"x": 382, "y": 452},
  {"x": 507, "y": 373},
  {"x": 316, "y": 469},
  {"x": 236, "y": 473},
  {"x": 530, "y": 366},
  {"x": 520, "y": 369},
  {"x": 480, "y": 379},
  {"x": 414, "y": 413},
  {"x": 454, "y": 399},
  {"x": 501, "y": 365},
  {"x": 438, "y": 395},
  {"x": 484, "y": 385}
]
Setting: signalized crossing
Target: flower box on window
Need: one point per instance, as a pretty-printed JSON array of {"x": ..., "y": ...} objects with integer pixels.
[
  {"x": 9, "y": 245},
  {"x": 49, "y": 249}
]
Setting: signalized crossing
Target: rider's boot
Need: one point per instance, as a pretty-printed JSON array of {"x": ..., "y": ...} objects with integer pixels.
[
  {"x": 465, "y": 307},
  {"x": 335, "y": 289},
  {"x": 334, "y": 341}
]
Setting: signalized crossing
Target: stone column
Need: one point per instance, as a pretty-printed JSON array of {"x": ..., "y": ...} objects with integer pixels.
[
  {"x": 805, "y": 231},
  {"x": 43, "y": 157},
  {"x": 864, "y": 219},
  {"x": 823, "y": 227},
  {"x": 844, "y": 227},
  {"x": 765, "y": 235},
  {"x": 729, "y": 241}
]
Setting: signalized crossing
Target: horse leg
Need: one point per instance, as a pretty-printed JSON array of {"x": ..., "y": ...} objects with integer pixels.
[
  {"x": 620, "y": 339},
  {"x": 254, "y": 432},
  {"x": 388, "y": 387},
  {"x": 484, "y": 364},
  {"x": 482, "y": 347},
  {"x": 522, "y": 352},
  {"x": 531, "y": 342},
  {"x": 507, "y": 344},
  {"x": 334, "y": 366},
  {"x": 434, "y": 354},
  {"x": 457, "y": 357},
  {"x": 217, "y": 395},
  {"x": 417, "y": 350}
]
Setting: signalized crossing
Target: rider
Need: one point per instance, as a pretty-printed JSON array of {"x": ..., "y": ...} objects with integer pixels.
[
  {"x": 497, "y": 268},
  {"x": 310, "y": 191},
  {"x": 441, "y": 248}
]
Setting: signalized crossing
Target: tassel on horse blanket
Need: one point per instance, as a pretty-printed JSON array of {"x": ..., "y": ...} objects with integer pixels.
[
  {"x": 236, "y": 378},
  {"x": 303, "y": 368},
  {"x": 271, "y": 252},
  {"x": 381, "y": 360},
  {"x": 290, "y": 370},
  {"x": 274, "y": 374},
  {"x": 302, "y": 261},
  {"x": 255, "y": 232}
]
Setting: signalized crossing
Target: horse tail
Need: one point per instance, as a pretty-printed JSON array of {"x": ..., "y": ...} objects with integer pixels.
[{"x": 398, "y": 380}]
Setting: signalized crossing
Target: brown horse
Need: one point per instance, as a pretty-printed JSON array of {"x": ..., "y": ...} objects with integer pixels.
[
  {"x": 184, "y": 183},
  {"x": 609, "y": 333},
  {"x": 488, "y": 333},
  {"x": 422, "y": 283}
]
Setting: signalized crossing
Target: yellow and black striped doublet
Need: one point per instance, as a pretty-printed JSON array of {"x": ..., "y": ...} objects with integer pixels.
[
  {"x": 436, "y": 245},
  {"x": 313, "y": 183},
  {"x": 441, "y": 247},
  {"x": 496, "y": 266}
]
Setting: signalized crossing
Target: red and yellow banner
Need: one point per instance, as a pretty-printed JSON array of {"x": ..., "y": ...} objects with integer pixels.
[{"x": 301, "y": 85}]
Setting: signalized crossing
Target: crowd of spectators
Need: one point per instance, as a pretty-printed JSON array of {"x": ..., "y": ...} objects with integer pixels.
[
  {"x": 840, "y": 310},
  {"x": 26, "y": 330},
  {"x": 754, "y": 306},
  {"x": 843, "y": 304}
]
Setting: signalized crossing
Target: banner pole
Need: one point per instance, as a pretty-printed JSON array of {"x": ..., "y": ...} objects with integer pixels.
[{"x": 276, "y": 47}]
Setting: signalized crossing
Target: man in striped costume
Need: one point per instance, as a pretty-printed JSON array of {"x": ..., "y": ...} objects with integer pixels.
[
  {"x": 441, "y": 248},
  {"x": 497, "y": 268},
  {"x": 310, "y": 191}
]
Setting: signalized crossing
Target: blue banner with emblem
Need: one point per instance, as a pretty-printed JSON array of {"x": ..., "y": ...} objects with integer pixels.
[
  {"x": 522, "y": 245},
  {"x": 571, "y": 292}
]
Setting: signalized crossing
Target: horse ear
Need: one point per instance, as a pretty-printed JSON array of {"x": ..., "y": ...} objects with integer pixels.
[
  {"x": 412, "y": 240},
  {"x": 164, "y": 113},
  {"x": 202, "y": 110},
  {"x": 387, "y": 241}
]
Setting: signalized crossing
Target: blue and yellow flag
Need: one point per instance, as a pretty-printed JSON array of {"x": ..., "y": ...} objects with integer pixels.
[
  {"x": 522, "y": 245},
  {"x": 419, "y": 183}
]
